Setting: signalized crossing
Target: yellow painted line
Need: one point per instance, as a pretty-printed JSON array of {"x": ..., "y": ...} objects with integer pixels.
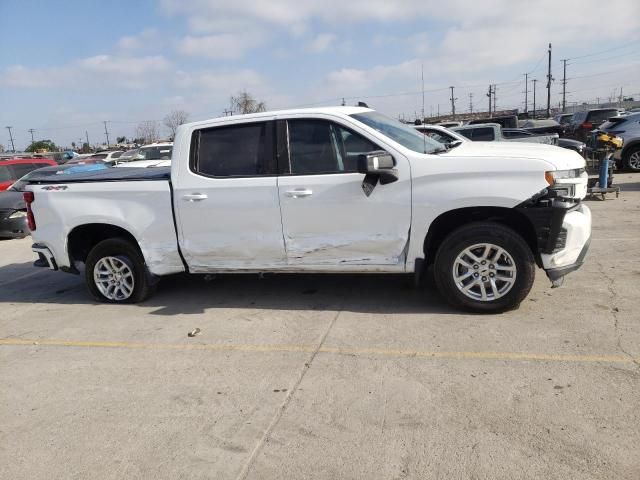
[{"x": 220, "y": 347}]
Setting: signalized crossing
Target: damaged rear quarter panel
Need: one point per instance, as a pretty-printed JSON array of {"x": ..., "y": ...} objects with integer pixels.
[{"x": 142, "y": 208}]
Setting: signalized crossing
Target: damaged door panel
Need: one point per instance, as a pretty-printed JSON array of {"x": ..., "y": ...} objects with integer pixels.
[{"x": 327, "y": 218}]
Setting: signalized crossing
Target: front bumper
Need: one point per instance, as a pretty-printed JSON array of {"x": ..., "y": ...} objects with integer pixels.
[{"x": 576, "y": 228}]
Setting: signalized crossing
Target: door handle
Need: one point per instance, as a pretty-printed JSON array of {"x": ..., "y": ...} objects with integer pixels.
[
  {"x": 194, "y": 197},
  {"x": 299, "y": 193}
]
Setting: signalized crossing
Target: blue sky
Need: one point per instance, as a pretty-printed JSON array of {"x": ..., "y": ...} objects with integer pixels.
[{"x": 67, "y": 66}]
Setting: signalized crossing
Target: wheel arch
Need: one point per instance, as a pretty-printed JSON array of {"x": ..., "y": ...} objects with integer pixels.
[
  {"x": 83, "y": 238},
  {"x": 448, "y": 221}
]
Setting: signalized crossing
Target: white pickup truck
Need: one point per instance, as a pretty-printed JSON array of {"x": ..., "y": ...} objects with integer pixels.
[
  {"x": 493, "y": 132},
  {"x": 340, "y": 189}
]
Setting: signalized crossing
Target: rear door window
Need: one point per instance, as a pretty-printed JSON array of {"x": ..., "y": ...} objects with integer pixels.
[{"x": 242, "y": 150}]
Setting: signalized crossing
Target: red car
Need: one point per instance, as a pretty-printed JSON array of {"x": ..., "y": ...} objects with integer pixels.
[{"x": 13, "y": 168}]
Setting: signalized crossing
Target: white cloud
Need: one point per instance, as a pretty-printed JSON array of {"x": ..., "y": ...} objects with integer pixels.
[
  {"x": 147, "y": 38},
  {"x": 321, "y": 42},
  {"x": 87, "y": 73},
  {"x": 219, "y": 46}
]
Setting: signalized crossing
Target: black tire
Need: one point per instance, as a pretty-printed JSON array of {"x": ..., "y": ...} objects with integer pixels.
[
  {"x": 635, "y": 150},
  {"x": 477, "y": 233},
  {"x": 127, "y": 253}
]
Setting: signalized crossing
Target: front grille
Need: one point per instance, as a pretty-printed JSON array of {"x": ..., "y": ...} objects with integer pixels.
[{"x": 5, "y": 212}]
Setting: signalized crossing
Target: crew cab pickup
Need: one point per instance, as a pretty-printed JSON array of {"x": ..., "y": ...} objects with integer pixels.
[
  {"x": 493, "y": 132},
  {"x": 340, "y": 189}
]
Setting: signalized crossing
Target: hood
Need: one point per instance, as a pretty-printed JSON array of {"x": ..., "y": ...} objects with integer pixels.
[
  {"x": 558, "y": 158},
  {"x": 10, "y": 199}
]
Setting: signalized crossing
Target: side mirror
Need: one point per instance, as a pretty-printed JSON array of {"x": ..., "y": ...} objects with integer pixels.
[{"x": 379, "y": 164}]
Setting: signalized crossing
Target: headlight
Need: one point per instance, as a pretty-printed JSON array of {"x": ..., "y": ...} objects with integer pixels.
[
  {"x": 553, "y": 176},
  {"x": 18, "y": 214}
]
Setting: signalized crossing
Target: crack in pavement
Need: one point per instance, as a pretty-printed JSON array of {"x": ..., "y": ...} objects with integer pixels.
[
  {"x": 276, "y": 419},
  {"x": 614, "y": 312}
]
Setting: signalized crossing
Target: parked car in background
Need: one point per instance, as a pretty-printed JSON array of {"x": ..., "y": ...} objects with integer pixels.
[
  {"x": 13, "y": 210},
  {"x": 626, "y": 127},
  {"x": 153, "y": 151},
  {"x": 563, "y": 119},
  {"x": 575, "y": 145},
  {"x": 108, "y": 156},
  {"x": 493, "y": 132},
  {"x": 12, "y": 169},
  {"x": 82, "y": 159},
  {"x": 542, "y": 126},
  {"x": 440, "y": 134},
  {"x": 505, "y": 121},
  {"x": 582, "y": 123}
]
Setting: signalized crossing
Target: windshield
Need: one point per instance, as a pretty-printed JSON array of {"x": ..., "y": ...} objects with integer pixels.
[{"x": 403, "y": 134}]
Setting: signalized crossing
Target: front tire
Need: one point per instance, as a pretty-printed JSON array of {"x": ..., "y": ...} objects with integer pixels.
[
  {"x": 115, "y": 272},
  {"x": 484, "y": 267}
]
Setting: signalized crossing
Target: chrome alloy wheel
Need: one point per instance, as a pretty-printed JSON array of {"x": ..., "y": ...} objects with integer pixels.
[
  {"x": 484, "y": 272},
  {"x": 634, "y": 160},
  {"x": 114, "y": 278}
]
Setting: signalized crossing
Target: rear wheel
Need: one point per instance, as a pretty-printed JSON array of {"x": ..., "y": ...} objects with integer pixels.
[
  {"x": 484, "y": 267},
  {"x": 632, "y": 159},
  {"x": 116, "y": 273}
]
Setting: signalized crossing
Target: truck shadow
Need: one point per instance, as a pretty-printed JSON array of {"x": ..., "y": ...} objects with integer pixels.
[{"x": 196, "y": 294}]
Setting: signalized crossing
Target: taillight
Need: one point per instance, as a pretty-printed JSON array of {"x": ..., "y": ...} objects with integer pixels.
[
  {"x": 29, "y": 197},
  {"x": 587, "y": 125}
]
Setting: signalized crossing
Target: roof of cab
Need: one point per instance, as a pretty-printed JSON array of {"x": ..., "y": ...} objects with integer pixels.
[{"x": 336, "y": 110}]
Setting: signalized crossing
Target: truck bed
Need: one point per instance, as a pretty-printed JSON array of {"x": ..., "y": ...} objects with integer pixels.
[{"x": 106, "y": 175}]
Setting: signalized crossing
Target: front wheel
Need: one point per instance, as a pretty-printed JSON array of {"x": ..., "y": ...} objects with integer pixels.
[
  {"x": 484, "y": 267},
  {"x": 115, "y": 272}
]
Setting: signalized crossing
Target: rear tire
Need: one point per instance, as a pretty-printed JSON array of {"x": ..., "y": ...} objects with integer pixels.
[
  {"x": 115, "y": 272},
  {"x": 484, "y": 267}
]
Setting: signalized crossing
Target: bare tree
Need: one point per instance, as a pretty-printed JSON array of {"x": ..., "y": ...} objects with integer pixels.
[
  {"x": 173, "y": 120},
  {"x": 245, "y": 103},
  {"x": 148, "y": 131}
]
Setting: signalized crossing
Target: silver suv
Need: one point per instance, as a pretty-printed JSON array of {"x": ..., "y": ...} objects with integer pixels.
[{"x": 628, "y": 128}]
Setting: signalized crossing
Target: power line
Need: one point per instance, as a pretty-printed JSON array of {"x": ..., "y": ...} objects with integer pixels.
[{"x": 605, "y": 51}]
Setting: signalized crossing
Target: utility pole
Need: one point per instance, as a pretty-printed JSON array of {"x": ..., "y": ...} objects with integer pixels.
[
  {"x": 549, "y": 79},
  {"x": 471, "y": 103},
  {"x": 31, "y": 130},
  {"x": 453, "y": 103},
  {"x": 526, "y": 94},
  {"x": 13, "y": 147},
  {"x": 535, "y": 80},
  {"x": 422, "y": 92},
  {"x": 86, "y": 134},
  {"x": 489, "y": 95},
  {"x": 228, "y": 113},
  {"x": 343, "y": 103},
  {"x": 106, "y": 132},
  {"x": 494, "y": 98},
  {"x": 564, "y": 85}
]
